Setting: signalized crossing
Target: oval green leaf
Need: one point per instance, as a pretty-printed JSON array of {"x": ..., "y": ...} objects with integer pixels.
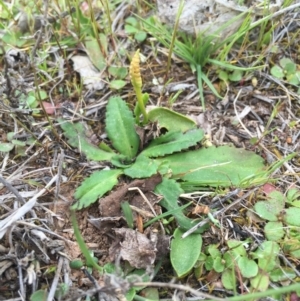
[
  {"x": 76, "y": 133},
  {"x": 95, "y": 54},
  {"x": 6, "y": 147},
  {"x": 274, "y": 231},
  {"x": 117, "y": 84},
  {"x": 229, "y": 279},
  {"x": 120, "y": 127},
  {"x": 95, "y": 186},
  {"x": 215, "y": 166},
  {"x": 282, "y": 274},
  {"x": 219, "y": 265},
  {"x": 236, "y": 76},
  {"x": 260, "y": 282},
  {"x": 277, "y": 71},
  {"x": 173, "y": 142},
  {"x": 185, "y": 252},
  {"x": 143, "y": 167},
  {"x": 171, "y": 120},
  {"x": 269, "y": 210},
  {"x": 40, "y": 295},
  {"x": 247, "y": 267},
  {"x": 292, "y": 215}
]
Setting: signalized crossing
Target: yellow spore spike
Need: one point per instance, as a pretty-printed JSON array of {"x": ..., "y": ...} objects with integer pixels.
[{"x": 134, "y": 70}]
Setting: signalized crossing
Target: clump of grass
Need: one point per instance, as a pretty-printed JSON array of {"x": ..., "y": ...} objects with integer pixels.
[{"x": 201, "y": 50}]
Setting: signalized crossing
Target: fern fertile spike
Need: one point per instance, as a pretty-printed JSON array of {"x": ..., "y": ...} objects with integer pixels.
[{"x": 134, "y": 70}]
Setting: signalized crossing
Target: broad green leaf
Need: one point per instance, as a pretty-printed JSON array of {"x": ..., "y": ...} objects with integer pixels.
[
  {"x": 121, "y": 161},
  {"x": 291, "y": 246},
  {"x": 173, "y": 142},
  {"x": 120, "y": 127},
  {"x": 171, "y": 120},
  {"x": 214, "y": 166},
  {"x": 223, "y": 75},
  {"x": 293, "y": 194},
  {"x": 118, "y": 72},
  {"x": 150, "y": 293},
  {"x": 230, "y": 259},
  {"x": 229, "y": 279},
  {"x": 129, "y": 29},
  {"x": 109, "y": 268},
  {"x": 248, "y": 267},
  {"x": 267, "y": 253},
  {"x": 277, "y": 71},
  {"x": 260, "y": 282},
  {"x": 286, "y": 62},
  {"x": 274, "y": 231},
  {"x": 117, "y": 84},
  {"x": 61, "y": 291},
  {"x": 236, "y": 247},
  {"x": 219, "y": 264},
  {"x": 213, "y": 251},
  {"x": 76, "y": 135},
  {"x": 95, "y": 186},
  {"x": 127, "y": 211},
  {"x": 270, "y": 209},
  {"x": 282, "y": 274},
  {"x": 236, "y": 76},
  {"x": 166, "y": 138},
  {"x": 132, "y": 21},
  {"x": 140, "y": 274},
  {"x": 235, "y": 252},
  {"x": 142, "y": 168},
  {"x": 95, "y": 53},
  {"x": 292, "y": 216},
  {"x": 140, "y": 36},
  {"x": 130, "y": 294},
  {"x": 13, "y": 38},
  {"x": 185, "y": 252},
  {"x": 40, "y": 295},
  {"x": 18, "y": 142},
  {"x": 6, "y": 147},
  {"x": 171, "y": 190},
  {"x": 209, "y": 263},
  {"x": 290, "y": 68},
  {"x": 294, "y": 79}
]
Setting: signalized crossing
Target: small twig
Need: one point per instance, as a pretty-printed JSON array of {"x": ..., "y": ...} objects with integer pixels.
[
  {"x": 4, "y": 224},
  {"x": 238, "y": 116},
  {"x": 93, "y": 280},
  {"x": 39, "y": 38},
  {"x": 21, "y": 282},
  {"x": 214, "y": 214},
  {"x": 43, "y": 229},
  {"x": 55, "y": 279},
  {"x": 66, "y": 271},
  {"x": 287, "y": 262},
  {"x": 179, "y": 287},
  {"x": 149, "y": 204},
  {"x": 38, "y": 138},
  {"x": 11, "y": 176},
  {"x": 12, "y": 190},
  {"x": 4, "y": 163},
  {"x": 59, "y": 172}
]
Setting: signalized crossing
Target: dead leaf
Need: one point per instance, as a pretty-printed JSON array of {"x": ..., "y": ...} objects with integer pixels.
[
  {"x": 90, "y": 76},
  {"x": 140, "y": 250},
  {"x": 110, "y": 205}
]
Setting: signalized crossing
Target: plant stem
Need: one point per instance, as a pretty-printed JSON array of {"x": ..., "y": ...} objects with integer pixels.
[
  {"x": 199, "y": 81},
  {"x": 174, "y": 36},
  {"x": 141, "y": 105}
]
